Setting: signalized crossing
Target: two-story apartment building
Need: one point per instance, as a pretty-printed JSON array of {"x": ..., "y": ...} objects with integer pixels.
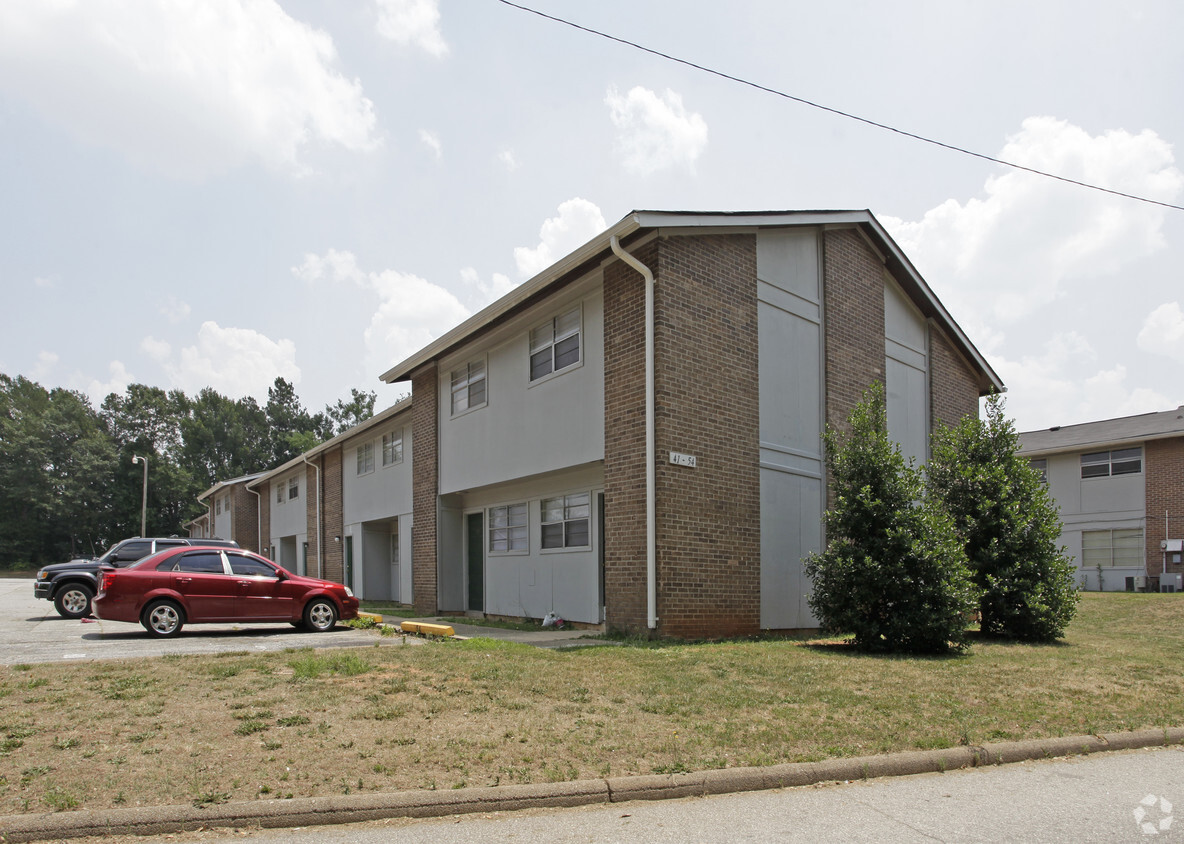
[
  {"x": 1119, "y": 484},
  {"x": 231, "y": 513},
  {"x": 633, "y": 437}
]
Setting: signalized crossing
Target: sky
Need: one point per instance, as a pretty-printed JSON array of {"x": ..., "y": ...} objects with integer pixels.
[{"x": 221, "y": 192}]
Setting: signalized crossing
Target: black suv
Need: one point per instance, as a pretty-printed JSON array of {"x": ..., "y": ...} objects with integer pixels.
[{"x": 72, "y": 585}]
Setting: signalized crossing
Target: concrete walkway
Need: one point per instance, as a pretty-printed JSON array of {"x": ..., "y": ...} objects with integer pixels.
[{"x": 312, "y": 811}]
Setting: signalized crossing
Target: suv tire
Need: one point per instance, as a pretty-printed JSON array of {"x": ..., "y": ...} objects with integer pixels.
[{"x": 73, "y": 600}]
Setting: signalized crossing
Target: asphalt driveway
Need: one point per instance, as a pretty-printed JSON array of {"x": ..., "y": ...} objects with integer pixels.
[{"x": 32, "y": 631}]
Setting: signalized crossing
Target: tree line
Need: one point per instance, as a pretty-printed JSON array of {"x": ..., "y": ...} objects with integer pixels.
[{"x": 68, "y": 486}]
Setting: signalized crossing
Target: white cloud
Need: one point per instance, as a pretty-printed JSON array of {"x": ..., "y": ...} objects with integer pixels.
[
  {"x": 506, "y": 157},
  {"x": 174, "y": 310},
  {"x": 42, "y": 283},
  {"x": 486, "y": 291},
  {"x": 1020, "y": 246},
  {"x": 118, "y": 383},
  {"x": 46, "y": 361},
  {"x": 410, "y": 312},
  {"x": 1163, "y": 332},
  {"x": 432, "y": 141},
  {"x": 1061, "y": 385},
  {"x": 189, "y": 89},
  {"x": 655, "y": 132},
  {"x": 412, "y": 23},
  {"x": 578, "y": 222},
  {"x": 236, "y": 362}
]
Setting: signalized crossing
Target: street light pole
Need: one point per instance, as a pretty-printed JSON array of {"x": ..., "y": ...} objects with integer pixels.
[{"x": 144, "y": 498}]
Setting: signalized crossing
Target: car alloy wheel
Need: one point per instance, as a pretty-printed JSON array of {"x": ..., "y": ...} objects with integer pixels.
[
  {"x": 163, "y": 619},
  {"x": 320, "y": 615}
]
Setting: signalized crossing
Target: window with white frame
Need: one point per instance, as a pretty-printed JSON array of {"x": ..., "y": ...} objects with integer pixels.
[
  {"x": 468, "y": 386},
  {"x": 365, "y": 458},
  {"x": 566, "y": 520},
  {"x": 507, "y": 528},
  {"x": 293, "y": 488},
  {"x": 226, "y": 503},
  {"x": 1040, "y": 464},
  {"x": 217, "y": 506},
  {"x": 1110, "y": 548},
  {"x": 1120, "y": 461},
  {"x": 555, "y": 345},
  {"x": 392, "y": 448},
  {"x": 279, "y": 493}
]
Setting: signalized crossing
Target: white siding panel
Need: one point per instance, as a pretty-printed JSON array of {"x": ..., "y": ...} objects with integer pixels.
[{"x": 380, "y": 494}]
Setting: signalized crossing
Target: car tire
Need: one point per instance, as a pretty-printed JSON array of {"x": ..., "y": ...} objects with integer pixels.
[
  {"x": 320, "y": 614},
  {"x": 163, "y": 619},
  {"x": 73, "y": 600}
]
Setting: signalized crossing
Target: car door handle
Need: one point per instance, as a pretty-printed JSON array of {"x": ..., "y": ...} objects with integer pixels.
[{"x": 184, "y": 580}]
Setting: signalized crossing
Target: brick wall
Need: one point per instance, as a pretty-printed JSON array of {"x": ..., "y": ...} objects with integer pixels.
[
  {"x": 332, "y": 516},
  {"x": 624, "y": 443},
  {"x": 425, "y": 487},
  {"x": 707, "y": 405},
  {"x": 953, "y": 388},
  {"x": 853, "y": 297},
  {"x": 310, "y": 492},
  {"x": 246, "y": 517},
  {"x": 1163, "y": 467}
]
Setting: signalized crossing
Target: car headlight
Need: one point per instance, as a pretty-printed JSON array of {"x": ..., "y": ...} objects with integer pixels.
[
  {"x": 42, "y": 575},
  {"x": 349, "y": 591}
]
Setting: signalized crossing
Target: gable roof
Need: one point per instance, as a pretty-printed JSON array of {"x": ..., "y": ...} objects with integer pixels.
[
  {"x": 636, "y": 223},
  {"x": 223, "y": 484},
  {"x": 1104, "y": 433}
]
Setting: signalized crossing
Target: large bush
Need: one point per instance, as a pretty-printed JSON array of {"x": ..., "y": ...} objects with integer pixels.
[
  {"x": 1009, "y": 526},
  {"x": 894, "y": 573}
]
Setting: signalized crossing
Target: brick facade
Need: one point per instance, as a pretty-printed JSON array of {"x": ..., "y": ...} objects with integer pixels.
[
  {"x": 245, "y": 517},
  {"x": 707, "y": 404},
  {"x": 853, "y": 298},
  {"x": 1163, "y": 466},
  {"x": 953, "y": 387},
  {"x": 311, "y": 490},
  {"x": 332, "y": 516},
  {"x": 425, "y": 486}
]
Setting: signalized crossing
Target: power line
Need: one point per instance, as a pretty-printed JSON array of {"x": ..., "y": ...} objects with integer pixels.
[{"x": 839, "y": 112}]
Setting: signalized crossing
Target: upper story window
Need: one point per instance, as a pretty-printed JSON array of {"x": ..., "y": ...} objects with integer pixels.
[
  {"x": 392, "y": 448},
  {"x": 1040, "y": 464},
  {"x": 365, "y": 458},
  {"x": 1120, "y": 461},
  {"x": 468, "y": 386},
  {"x": 293, "y": 488},
  {"x": 566, "y": 520},
  {"x": 507, "y": 528},
  {"x": 279, "y": 493},
  {"x": 555, "y": 345},
  {"x": 217, "y": 506}
]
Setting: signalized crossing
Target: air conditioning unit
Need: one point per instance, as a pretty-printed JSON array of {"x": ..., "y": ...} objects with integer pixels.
[
  {"x": 1172, "y": 582},
  {"x": 1140, "y": 582},
  {"x": 1172, "y": 545}
]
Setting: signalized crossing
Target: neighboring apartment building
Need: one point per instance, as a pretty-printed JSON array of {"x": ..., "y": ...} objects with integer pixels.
[
  {"x": 342, "y": 510},
  {"x": 660, "y": 467},
  {"x": 1119, "y": 484},
  {"x": 232, "y": 512}
]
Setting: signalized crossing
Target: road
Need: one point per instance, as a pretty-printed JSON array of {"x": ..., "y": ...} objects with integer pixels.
[
  {"x": 32, "y": 631},
  {"x": 1079, "y": 799}
]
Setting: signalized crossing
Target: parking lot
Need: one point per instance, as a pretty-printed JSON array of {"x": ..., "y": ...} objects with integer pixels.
[{"x": 32, "y": 631}]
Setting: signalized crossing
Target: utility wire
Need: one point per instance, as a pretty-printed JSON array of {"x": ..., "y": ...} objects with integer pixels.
[{"x": 839, "y": 112}]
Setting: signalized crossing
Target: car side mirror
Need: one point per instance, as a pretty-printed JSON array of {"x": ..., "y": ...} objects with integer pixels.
[{"x": 281, "y": 574}]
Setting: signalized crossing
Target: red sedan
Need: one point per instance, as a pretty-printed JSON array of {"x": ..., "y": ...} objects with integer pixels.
[{"x": 195, "y": 585}]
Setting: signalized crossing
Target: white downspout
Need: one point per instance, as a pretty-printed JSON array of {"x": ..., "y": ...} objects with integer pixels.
[
  {"x": 258, "y": 522},
  {"x": 651, "y": 530},
  {"x": 320, "y": 556}
]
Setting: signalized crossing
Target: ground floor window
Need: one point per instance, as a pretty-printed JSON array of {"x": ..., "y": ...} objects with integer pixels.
[
  {"x": 1111, "y": 548},
  {"x": 507, "y": 528},
  {"x": 565, "y": 522}
]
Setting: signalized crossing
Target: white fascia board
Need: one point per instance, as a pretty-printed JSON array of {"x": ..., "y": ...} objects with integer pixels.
[{"x": 600, "y": 243}]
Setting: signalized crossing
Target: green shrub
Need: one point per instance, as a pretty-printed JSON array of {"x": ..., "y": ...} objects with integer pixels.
[
  {"x": 893, "y": 573},
  {"x": 1009, "y": 526}
]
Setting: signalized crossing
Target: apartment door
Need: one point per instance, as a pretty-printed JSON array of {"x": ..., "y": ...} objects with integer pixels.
[{"x": 475, "y": 546}]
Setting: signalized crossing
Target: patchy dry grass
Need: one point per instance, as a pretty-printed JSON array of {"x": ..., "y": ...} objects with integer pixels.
[{"x": 241, "y": 726}]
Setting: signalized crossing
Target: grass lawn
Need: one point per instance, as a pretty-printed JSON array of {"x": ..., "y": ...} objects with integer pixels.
[{"x": 454, "y": 714}]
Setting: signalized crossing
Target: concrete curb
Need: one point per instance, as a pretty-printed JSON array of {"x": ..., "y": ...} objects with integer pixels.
[{"x": 311, "y": 811}]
